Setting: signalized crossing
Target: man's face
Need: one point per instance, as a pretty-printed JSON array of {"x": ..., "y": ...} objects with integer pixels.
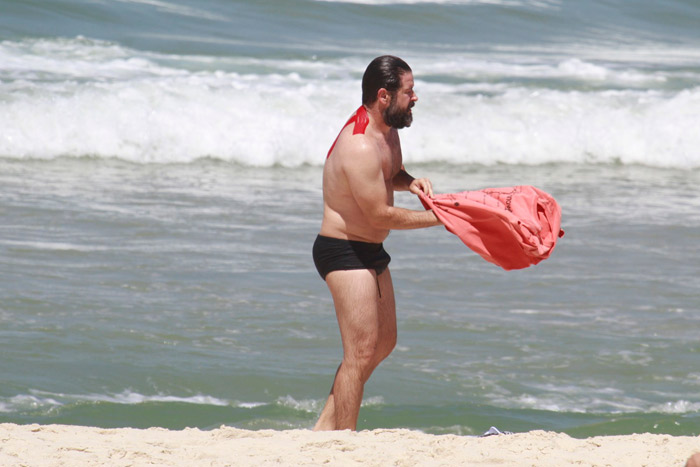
[{"x": 398, "y": 114}]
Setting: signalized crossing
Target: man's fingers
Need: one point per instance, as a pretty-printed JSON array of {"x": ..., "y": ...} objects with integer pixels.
[
  {"x": 429, "y": 188},
  {"x": 423, "y": 185},
  {"x": 426, "y": 187}
]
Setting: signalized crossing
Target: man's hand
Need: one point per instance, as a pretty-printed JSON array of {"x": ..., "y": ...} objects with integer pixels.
[{"x": 423, "y": 185}]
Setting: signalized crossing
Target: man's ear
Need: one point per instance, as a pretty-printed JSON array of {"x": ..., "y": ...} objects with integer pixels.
[{"x": 383, "y": 96}]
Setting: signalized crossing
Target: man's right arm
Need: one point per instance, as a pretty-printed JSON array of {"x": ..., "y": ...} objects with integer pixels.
[{"x": 366, "y": 181}]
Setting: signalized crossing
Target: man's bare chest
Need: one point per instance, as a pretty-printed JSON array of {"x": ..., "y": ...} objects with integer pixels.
[{"x": 390, "y": 151}]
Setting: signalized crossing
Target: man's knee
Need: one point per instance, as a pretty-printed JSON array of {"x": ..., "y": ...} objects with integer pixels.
[
  {"x": 363, "y": 358},
  {"x": 363, "y": 355},
  {"x": 369, "y": 357}
]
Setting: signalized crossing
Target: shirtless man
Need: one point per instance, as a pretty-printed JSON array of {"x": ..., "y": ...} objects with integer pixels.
[{"x": 362, "y": 171}]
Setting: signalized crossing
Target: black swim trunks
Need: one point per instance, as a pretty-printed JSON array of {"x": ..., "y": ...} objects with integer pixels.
[{"x": 336, "y": 254}]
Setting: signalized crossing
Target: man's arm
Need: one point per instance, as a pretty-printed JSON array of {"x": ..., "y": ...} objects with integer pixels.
[
  {"x": 402, "y": 181},
  {"x": 367, "y": 185}
]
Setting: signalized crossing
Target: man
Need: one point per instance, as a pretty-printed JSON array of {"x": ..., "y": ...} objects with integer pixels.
[{"x": 362, "y": 171}]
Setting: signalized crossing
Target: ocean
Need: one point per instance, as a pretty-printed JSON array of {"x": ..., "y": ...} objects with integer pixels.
[{"x": 160, "y": 190}]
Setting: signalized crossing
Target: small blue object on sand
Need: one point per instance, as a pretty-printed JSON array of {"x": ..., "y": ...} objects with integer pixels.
[{"x": 495, "y": 431}]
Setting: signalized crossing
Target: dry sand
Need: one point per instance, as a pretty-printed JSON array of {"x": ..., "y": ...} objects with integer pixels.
[{"x": 76, "y": 446}]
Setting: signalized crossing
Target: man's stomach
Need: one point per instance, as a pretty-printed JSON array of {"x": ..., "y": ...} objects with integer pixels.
[{"x": 349, "y": 227}]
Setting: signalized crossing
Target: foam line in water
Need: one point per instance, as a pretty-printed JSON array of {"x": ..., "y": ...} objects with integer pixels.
[
  {"x": 77, "y": 97},
  {"x": 46, "y": 401},
  {"x": 169, "y": 7}
]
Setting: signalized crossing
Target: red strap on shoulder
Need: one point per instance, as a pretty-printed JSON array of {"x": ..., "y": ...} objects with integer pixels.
[{"x": 360, "y": 119}]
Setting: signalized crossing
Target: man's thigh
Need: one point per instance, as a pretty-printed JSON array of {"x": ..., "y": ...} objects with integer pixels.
[
  {"x": 365, "y": 318},
  {"x": 356, "y": 301}
]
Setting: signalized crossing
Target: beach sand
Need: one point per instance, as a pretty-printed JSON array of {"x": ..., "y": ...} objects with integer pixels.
[{"x": 60, "y": 445}]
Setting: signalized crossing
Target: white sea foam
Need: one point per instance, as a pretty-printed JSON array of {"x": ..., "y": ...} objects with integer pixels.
[
  {"x": 676, "y": 407},
  {"x": 80, "y": 97},
  {"x": 47, "y": 401},
  {"x": 251, "y": 405},
  {"x": 524, "y": 126},
  {"x": 53, "y": 246},
  {"x": 305, "y": 405},
  {"x": 315, "y": 405},
  {"x": 583, "y": 399},
  {"x": 23, "y": 402},
  {"x": 168, "y": 7},
  {"x": 560, "y": 68},
  {"x": 130, "y": 397}
]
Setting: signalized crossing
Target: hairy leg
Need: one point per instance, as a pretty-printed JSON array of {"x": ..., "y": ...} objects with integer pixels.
[
  {"x": 326, "y": 421},
  {"x": 368, "y": 330}
]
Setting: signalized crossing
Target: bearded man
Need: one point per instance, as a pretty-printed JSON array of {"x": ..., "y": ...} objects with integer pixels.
[{"x": 363, "y": 169}]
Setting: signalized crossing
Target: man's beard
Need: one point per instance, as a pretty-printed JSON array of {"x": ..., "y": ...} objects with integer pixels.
[{"x": 396, "y": 117}]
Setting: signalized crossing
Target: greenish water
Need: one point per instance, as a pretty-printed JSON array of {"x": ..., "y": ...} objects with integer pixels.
[
  {"x": 184, "y": 295},
  {"x": 160, "y": 191}
]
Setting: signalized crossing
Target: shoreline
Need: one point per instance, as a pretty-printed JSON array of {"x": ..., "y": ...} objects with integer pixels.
[{"x": 54, "y": 445}]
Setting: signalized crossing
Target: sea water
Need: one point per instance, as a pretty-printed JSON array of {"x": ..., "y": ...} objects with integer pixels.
[{"x": 160, "y": 190}]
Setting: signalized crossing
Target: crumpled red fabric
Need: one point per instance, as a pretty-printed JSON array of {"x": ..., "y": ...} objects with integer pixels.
[{"x": 512, "y": 227}]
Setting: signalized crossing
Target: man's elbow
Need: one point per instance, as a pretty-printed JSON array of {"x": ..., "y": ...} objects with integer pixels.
[{"x": 380, "y": 219}]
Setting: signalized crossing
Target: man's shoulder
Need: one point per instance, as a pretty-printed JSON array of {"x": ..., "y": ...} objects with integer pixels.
[{"x": 356, "y": 147}]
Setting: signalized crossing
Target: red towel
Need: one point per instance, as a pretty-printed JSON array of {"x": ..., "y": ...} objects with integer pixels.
[{"x": 513, "y": 227}]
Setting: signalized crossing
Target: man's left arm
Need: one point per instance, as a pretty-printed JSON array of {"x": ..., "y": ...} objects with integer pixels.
[{"x": 402, "y": 181}]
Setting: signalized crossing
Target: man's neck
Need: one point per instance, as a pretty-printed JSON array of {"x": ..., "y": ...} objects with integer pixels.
[{"x": 376, "y": 119}]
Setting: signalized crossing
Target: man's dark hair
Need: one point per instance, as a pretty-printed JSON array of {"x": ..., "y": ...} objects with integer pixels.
[{"x": 382, "y": 72}]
